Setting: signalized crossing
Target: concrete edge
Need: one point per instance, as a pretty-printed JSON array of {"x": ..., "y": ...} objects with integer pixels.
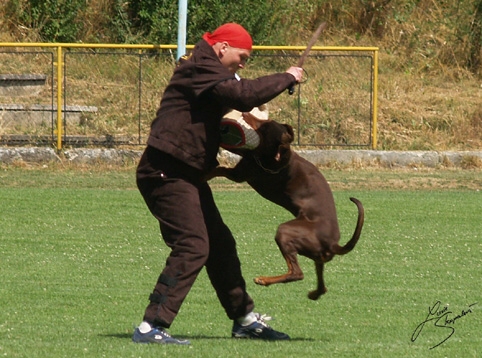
[{"x": 430, "y": 159}]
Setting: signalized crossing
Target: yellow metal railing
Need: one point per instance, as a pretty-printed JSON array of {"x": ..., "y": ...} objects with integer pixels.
[{"x": 60, "y": 46}]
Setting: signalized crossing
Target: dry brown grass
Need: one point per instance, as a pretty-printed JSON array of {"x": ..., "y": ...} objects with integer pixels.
[{"x": 432, "y": 113}]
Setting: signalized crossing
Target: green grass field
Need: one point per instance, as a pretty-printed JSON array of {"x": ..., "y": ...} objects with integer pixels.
[{"x": 80, "y": 254}]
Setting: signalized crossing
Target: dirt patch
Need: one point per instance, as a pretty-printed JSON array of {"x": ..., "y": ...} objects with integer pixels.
[{"x": 342, "y": 175}]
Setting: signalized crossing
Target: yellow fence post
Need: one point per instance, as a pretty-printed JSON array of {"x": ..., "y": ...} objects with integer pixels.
[
  {"x": 59, "y": 97},
  {"x": 375, "y": 100}
]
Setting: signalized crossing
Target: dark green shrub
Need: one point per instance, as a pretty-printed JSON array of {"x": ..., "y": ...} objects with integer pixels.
[{"x": 55, "y": 20}]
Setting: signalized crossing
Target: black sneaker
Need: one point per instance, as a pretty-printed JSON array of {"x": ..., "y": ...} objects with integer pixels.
[
  {"x": 156, "y": 335},
  {"x": 258, "y": 330}
]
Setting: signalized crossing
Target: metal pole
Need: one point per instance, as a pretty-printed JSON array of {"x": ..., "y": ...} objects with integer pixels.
[
  {"x": 375, "y": 100},
  {"x": 181, "y": 29},
  {"x": 59, "y": 98}
]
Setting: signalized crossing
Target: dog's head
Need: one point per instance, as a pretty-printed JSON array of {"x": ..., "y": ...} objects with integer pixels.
[{"x": 275, "y": 140}]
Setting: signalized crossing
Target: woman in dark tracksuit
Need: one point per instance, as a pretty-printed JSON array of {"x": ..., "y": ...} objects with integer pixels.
[{"x": 181, "y": 148}]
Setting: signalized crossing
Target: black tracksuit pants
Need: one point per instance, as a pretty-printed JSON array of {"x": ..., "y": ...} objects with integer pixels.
[{"x": 192, "y": 227}]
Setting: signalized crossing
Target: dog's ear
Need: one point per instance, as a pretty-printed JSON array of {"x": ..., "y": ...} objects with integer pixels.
[
  {"x": 290, "y": 136},
  {"x": 286, "y": 139}
]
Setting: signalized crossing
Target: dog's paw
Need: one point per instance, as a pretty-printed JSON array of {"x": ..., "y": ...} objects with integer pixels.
[
  {"x": 314, "y": 295},
  {"x": 261, "y": 281}
]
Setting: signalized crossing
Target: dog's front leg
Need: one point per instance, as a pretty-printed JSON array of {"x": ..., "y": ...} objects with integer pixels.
[
  {"x": 235, "y": 174},
  {"x": 217, "y": 172}
]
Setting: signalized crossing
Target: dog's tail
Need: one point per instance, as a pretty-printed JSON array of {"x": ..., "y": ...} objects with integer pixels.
[{"x": 342, "y": 250}]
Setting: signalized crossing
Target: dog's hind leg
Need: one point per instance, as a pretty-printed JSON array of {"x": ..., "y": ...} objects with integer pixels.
[
  {"x": 321, "y": 289},
  {"x": 288, "y": 239},
  {"x": 294, "y": 274}
]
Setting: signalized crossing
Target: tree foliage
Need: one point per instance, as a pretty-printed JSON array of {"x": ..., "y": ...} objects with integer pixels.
[
  {"x": 54, "y": 20},
  {"x": 429, "y": 32}
]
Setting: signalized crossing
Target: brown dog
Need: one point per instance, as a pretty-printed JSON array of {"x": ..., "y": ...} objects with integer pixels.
[{"x": 280, "y": 175}]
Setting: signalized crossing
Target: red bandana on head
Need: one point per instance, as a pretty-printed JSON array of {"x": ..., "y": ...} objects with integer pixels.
[{"x": 232, "y": 33}]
